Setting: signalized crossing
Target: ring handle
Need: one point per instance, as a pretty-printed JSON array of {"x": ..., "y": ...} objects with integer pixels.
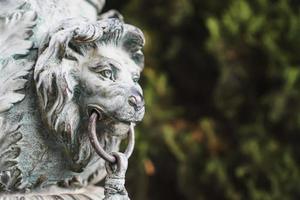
[{"x": 99, "y": 149}]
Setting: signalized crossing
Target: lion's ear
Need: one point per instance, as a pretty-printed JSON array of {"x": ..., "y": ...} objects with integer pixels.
[{"x": 133, "y": 41}]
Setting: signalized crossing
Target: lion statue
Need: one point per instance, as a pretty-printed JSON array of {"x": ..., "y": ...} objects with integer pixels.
[{"x": 69, "y": 92}]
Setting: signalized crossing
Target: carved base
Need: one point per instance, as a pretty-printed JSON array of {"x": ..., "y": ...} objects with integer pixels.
[{"x": 88, "y": 193}]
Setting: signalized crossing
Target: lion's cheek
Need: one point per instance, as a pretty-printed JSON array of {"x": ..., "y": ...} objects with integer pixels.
[{"x": 115, "y": 104}]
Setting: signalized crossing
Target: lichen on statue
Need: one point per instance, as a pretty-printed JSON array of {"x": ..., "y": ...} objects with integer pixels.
[{"x": 52, "y": 81}]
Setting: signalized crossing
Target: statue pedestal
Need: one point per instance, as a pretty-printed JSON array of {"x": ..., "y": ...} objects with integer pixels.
[{"x": 87, "y": 193}]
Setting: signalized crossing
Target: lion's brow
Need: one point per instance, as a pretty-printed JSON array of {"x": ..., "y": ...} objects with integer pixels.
[{"x": 100, "y": 64}]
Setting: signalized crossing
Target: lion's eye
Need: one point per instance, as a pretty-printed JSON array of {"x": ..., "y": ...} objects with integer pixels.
[
  {"x": 107, "y": 73},
  {"x": 136, "y": 78}
]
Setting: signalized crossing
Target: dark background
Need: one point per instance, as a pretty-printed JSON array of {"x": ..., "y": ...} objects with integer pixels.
[{"x": 222, "y": 88}]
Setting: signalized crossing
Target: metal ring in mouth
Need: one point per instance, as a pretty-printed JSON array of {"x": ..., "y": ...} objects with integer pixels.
[{"x": 96, "y": 144}]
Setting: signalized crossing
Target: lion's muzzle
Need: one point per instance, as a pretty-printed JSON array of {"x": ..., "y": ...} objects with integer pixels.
[{"x": 136, "y": 100}]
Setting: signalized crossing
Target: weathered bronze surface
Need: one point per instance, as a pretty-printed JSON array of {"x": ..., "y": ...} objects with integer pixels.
[{"x": 69, "y": 95}]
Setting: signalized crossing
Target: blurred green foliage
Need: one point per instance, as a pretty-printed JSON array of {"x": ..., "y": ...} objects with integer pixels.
[{"x": 222, "y": 89}]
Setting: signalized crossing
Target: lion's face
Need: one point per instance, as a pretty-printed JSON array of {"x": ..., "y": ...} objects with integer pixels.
[{"x": 109, "y": 85}]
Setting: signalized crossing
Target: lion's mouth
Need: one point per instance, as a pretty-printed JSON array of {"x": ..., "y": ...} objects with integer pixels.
[
  {"x": 108, "y": 123},
  {"x": 105, "y": 116},
  {"x": 101, "y": 113},
  {"x": 97, "y": 114}
]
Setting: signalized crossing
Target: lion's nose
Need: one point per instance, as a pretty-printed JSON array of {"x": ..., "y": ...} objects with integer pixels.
[{"x": 136, "y": 100}]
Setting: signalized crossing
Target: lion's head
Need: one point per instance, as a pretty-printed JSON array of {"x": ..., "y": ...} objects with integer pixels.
[{"x": 90, "y": 67}]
